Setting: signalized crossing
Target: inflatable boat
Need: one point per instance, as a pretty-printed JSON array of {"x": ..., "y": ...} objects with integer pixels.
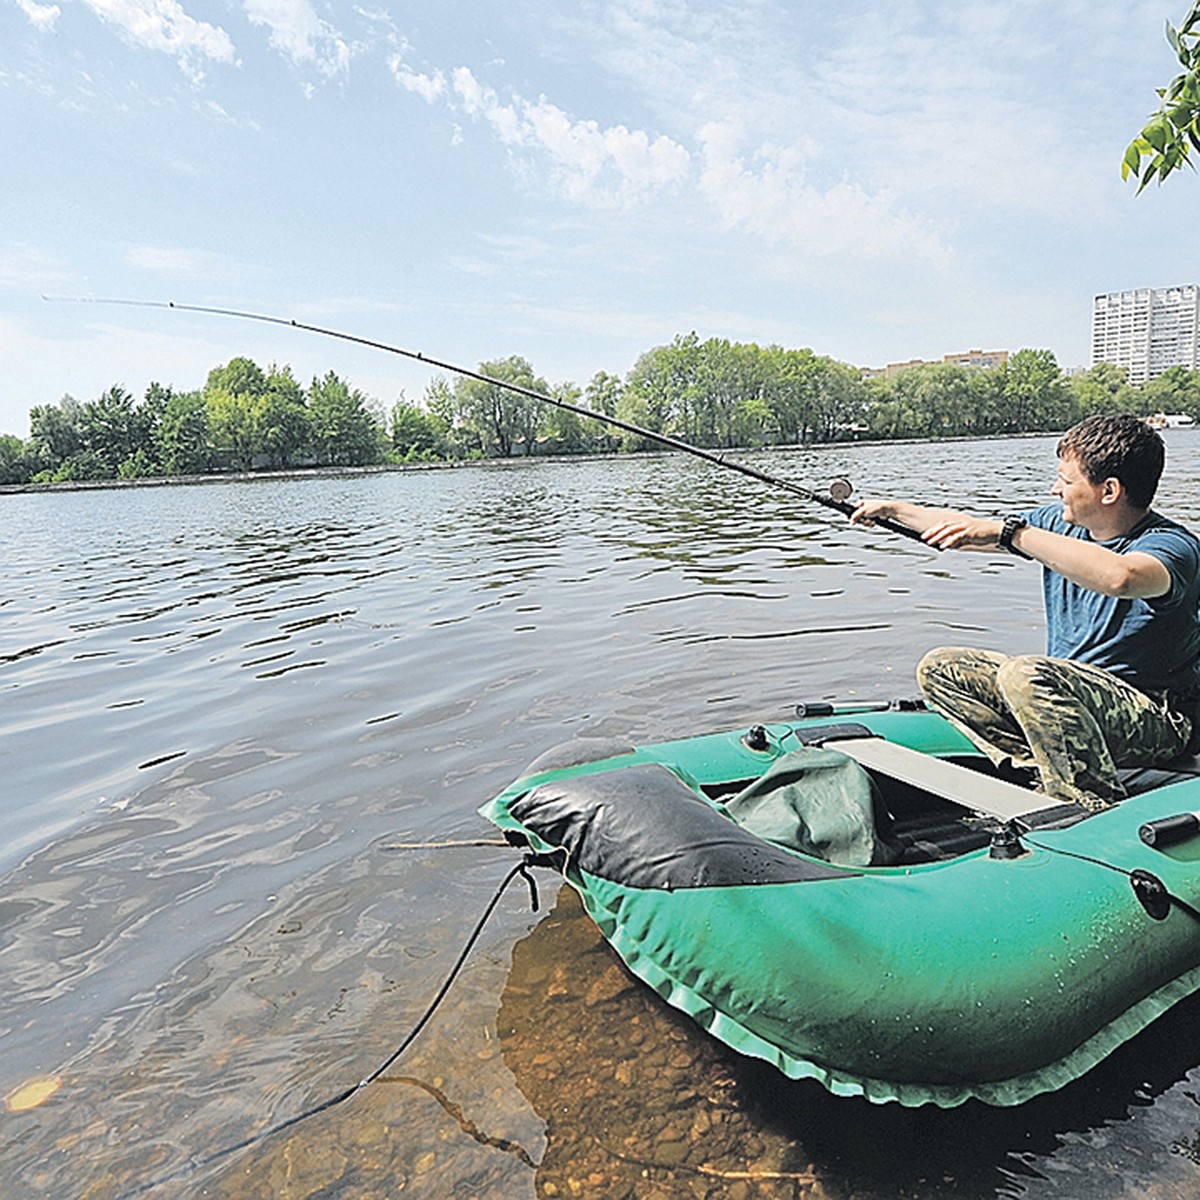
[{"x": 861, "y": 898}]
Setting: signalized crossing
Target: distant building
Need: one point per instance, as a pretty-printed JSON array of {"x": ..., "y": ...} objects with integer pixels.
[
  {"x": 978, "y": 360},
  {"x": 1147, "y": 330}
]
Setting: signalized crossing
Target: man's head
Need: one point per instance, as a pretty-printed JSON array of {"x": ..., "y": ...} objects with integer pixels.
[{"x": 1121, "y": 447}]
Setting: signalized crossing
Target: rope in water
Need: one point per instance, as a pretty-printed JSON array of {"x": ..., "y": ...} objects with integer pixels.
[{"x": 196, "y": 1164}]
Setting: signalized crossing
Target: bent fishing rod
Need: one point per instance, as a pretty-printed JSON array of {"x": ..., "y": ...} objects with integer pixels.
[{"x": 838, "y": 497}]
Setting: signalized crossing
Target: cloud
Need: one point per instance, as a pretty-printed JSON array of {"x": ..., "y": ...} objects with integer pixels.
[
  {"x": 164, "y": 26},
  {"x": 182, "y": 261},
  {"x": 428, "y": 87},
  {"x": 774, "y": 200},
  {"x": 25, "y": 266},
  {"x": 43, "y": 16},
  {"x": 603, "y": 166},
  {"x": 298, "y": 33}
]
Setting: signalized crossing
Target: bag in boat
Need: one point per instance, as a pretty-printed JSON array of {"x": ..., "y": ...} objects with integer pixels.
[{"x": 818, "y": 801}]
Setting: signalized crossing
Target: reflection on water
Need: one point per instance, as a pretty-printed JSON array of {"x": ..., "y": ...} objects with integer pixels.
[
  {"x": 631, "y": 1091},
  {"x": 220, "y": 706}
]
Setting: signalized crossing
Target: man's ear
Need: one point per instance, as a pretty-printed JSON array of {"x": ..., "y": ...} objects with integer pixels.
[{"x": 1111, "y": 490}]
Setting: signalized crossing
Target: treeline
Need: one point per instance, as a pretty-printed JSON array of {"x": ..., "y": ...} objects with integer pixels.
[{"x": 713, "y": 393}]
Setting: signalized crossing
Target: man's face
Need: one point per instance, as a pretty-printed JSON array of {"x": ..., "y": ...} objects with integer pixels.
[{"x": 1080, "y": 497}]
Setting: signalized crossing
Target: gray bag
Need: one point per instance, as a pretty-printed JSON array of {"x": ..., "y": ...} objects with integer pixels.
[{"x": 818, "y": 801}]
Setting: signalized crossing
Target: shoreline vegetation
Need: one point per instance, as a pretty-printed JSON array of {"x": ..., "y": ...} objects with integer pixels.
[
  {"x": 388, "y": 468},
  {"x": 251, "y": 423}
]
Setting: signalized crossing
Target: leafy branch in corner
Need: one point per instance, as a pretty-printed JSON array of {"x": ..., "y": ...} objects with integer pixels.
[{"x": 1173, "y": 131}]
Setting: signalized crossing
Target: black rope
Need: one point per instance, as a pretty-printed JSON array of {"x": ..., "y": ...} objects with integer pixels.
[
  {"x": 196, "y": 1164},
  {"x": 1177, "y": 901}
]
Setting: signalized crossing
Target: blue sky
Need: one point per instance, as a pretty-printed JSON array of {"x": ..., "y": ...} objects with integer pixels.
[{"x": 574, "y": 183}]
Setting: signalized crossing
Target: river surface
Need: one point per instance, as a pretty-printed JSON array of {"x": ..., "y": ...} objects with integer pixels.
[{"x": 244, "y": 731}]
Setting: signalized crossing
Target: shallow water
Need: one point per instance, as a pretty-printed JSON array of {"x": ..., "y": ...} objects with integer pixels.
[{"x": 225, "y": 713}]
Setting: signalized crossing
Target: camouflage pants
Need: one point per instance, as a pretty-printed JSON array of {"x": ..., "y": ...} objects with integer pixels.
[{"x": 1075, "y": 723}]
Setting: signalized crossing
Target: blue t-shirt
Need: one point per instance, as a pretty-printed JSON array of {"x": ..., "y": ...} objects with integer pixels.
[{"x": 1153, "y": 644}]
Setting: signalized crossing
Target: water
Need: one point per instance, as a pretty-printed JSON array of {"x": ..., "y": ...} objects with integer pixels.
[{"x": 226, "y": 711}]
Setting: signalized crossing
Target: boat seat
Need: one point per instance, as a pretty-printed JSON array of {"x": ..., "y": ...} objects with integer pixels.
[{"x": 940, "y": 777}]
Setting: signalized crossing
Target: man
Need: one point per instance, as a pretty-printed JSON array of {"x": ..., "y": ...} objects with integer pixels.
[{"x": 1120, "y": 682}]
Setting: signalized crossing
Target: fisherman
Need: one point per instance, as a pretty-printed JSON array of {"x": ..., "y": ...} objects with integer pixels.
[{"x": 1119, "y": 684}]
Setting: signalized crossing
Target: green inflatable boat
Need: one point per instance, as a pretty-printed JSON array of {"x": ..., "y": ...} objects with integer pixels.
[{"x": 860, "y": 898}]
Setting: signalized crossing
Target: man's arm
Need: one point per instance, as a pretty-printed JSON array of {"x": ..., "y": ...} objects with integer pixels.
[
  {"x": 1133, "y": 576},
  {"x": 1136, "y": 575}
]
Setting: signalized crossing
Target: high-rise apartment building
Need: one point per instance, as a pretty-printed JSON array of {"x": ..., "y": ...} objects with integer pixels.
[{"x": 1147, "y": 330}]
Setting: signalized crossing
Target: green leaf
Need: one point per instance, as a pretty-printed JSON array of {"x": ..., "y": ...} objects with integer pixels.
[{"x": 1156, "y": 136}]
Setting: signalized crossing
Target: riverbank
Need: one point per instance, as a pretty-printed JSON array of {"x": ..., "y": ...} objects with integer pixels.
[{"x": 295, "y": 473}]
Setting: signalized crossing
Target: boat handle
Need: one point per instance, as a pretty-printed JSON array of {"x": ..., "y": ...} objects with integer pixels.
[{"x": 1166, "y": 831}]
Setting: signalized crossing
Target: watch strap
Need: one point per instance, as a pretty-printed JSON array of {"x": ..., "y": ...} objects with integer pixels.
[{"x": 1008, "y": 530}]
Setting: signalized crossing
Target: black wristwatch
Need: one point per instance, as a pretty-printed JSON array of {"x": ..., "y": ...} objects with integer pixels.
[{"x": 1008, "y": 530}]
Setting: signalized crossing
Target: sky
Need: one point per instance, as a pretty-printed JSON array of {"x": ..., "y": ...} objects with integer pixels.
[{"x": 572, "y": 183}]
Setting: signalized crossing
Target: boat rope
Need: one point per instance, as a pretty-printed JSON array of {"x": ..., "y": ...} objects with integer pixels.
[
  {"x": 196, "y": 1164},
  {"x": 1149, "y": 888},
  {"x": 451, "y": 845}
]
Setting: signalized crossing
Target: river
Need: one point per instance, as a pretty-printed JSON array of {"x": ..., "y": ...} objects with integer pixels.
[{"x": 239, "y": 724}]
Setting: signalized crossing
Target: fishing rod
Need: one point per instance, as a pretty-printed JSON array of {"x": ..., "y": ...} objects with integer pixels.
[{"x": 837, "y": 498}]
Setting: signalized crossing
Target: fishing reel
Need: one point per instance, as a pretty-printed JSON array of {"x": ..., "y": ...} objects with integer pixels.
[
  {"x": 839, "y": 493},
  {"x": 840, "y": 490}
]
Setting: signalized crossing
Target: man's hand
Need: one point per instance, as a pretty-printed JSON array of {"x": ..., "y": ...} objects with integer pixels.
[
  {"x": 924, "y": 521},
  {"x": 959, "y": 531}
]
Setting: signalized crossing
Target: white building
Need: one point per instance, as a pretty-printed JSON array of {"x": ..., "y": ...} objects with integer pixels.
[{"x": 1147, "y": 330}]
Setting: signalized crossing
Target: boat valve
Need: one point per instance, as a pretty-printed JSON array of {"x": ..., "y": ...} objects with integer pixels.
[
  {"x": 1005, "y": 843},
  {"x": 757, "y": 739}
]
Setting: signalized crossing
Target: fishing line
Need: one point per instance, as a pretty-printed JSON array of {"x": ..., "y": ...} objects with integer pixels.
[
  {"x": 196, "y": 1164},
  {"x": 839, "y": 492}
]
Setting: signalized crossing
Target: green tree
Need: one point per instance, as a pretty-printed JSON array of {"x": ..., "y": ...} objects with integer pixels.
[
  {"x": 1176, "y": 390},
  {"x": 282, "y": 426},
  {"x": 1174, "y": 129},
  {"x": 184, "y": 438},
  {"x": 113, "y": 430},
  {"x": 231, "y": 417},
  {"x": 729, "y": 394},
  {"x": 15, "y": 461},
  {"x": 1034, "y": 394},
  {"x": 1103, "y": 389},
  {"x": 501, "y": 419},
  {"x": 792, "y": 387},
  {"x": 240, "y": 376},
  {"x": 936, "y": 400},
  {"x": 459, "y": 439},
  {"x": 840, "y": 399},
  {"x": 255, "y": 416},
  {"x": 663, "y": 385},
  {"x": 345, "y": 431},
  {"x": 54, "y": 432},
  {"x": 987, "y": 400},
  {"x": 603, "y": 395},
  {"x": 417, "y": 435}
]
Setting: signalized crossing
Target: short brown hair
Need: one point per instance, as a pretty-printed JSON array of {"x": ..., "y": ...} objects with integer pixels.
[{"x": 1121, "y": 447}]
